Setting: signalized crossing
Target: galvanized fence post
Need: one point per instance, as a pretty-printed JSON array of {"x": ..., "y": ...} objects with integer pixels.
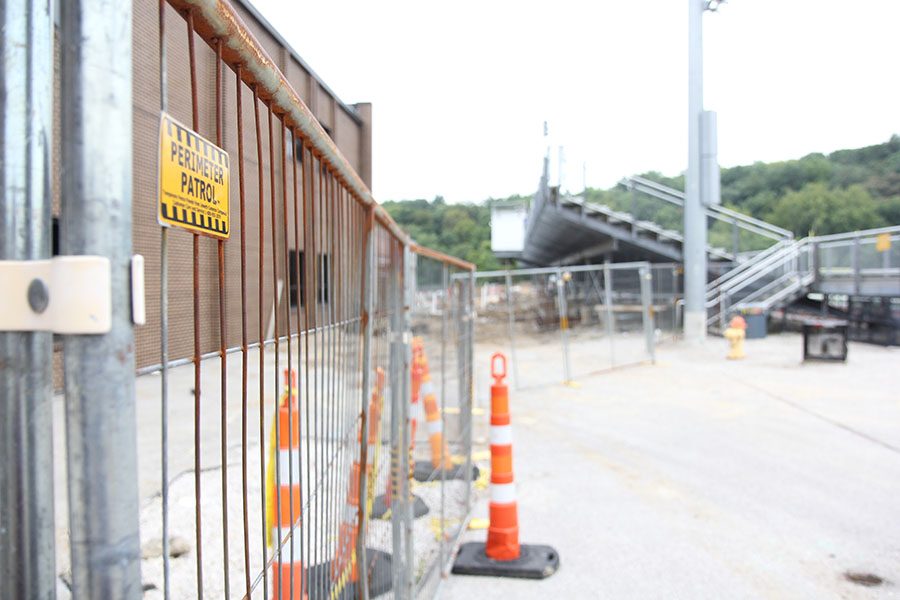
[
  {"x": 407, "y": 590},
  {"x": 368, "y": 302},
  {"x": 511, "y": 323},
  {"x": 608, "y": 300},
  {"x": 27, "y": 554},
  {"x": 445, "y": 287},
  {"x": 96, "y": 84},
  {"x": 563, "y": 322},
  {"x": 647, "y": 310},
  {"x": 399, "y": 467},
  {"x": 468, "y": 357}
]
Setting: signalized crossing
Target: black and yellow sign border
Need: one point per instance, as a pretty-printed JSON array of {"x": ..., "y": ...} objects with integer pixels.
[{"x": 187, "y": 218}]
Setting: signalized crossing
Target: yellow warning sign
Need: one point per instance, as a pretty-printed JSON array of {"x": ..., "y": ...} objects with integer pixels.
[
  {"x": 193, "y": 181},
  {"x": 883, "y": 242}
]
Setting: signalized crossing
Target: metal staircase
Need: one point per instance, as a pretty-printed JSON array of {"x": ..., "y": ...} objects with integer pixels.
[
  {"x": 846, "y": 263},
  {"x": 738, "y": 221},
  {"x": 776, "y": 275}
]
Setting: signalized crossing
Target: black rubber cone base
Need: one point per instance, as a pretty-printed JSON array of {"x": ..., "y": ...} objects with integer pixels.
[
  {"x": 380, "y": 507},
  {"x": 534, "y": 562},
  {"x": 320, "y": 584},
  {"x": 424, "y": 472}
]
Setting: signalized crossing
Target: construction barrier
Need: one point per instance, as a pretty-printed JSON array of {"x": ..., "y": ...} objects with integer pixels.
[
  {"x": 441, "y": 349},
  {"x": 503, "y": 555},
  {"x": 279, "y": 319},
  {"x": 600, "y": 317}
]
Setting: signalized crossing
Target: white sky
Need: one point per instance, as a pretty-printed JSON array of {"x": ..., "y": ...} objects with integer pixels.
[{"x": 460, "y": 90}]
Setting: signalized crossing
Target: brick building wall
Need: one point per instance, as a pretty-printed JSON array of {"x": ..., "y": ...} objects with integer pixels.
[{"x": 349, "y": 127}]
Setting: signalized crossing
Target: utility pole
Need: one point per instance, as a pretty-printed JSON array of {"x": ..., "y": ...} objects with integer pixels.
[{"x": 695, "y": 268}]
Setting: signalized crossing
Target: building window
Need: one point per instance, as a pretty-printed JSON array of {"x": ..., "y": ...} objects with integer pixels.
[
  {"x": 297, "y": 290},
  {"x": 54, "y": 236},
  {"x": 295, "y": 287}
]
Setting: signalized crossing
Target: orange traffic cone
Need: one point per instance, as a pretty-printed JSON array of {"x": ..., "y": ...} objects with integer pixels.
[
  {"x": 343, "y": 572},
  {"x": 503, "y": 534},
  {"x": 440, "y": 454},
  {"x": 441, "y": 463},
  {"x": 381, "y": 507},
  {"x": 287, "y": 568},
  {"x": 502, "y": 555}
]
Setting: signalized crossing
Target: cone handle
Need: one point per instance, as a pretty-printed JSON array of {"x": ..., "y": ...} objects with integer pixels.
[{"x": 498, "y": 376}]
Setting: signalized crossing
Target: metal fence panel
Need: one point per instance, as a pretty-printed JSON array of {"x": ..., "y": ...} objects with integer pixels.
[
  {"x": 269, "y": 432},
  {"x": 441, "y": 405},
  {"x": 27, "y": 561},
  {"x": 599, "y": 317}
]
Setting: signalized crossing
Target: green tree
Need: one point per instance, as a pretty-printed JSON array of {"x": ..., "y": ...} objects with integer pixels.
[{"x": 817, "y": 209}]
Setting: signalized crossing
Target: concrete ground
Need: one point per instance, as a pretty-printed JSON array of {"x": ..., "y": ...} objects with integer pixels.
[{"x": 700, "y": 477}]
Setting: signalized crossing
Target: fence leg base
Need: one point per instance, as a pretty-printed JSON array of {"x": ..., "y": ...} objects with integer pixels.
[
  {"x": 378, "y": 572},
  {"x": 425, "y": 472},
  {"x": 535, "y": 562},
  {"x": 380, "y": 509}
]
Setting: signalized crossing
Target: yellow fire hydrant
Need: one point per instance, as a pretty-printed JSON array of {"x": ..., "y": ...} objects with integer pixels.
[{"x": 735, "y": 334}]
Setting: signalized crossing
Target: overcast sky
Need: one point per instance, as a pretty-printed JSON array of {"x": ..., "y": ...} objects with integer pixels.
[{"x": 460, "y": 90}]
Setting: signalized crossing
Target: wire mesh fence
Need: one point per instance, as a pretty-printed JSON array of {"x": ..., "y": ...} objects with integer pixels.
[
  {"x": 329, "y": 286},
  {"x": 273, "y": 412},
  {"x": 599, "y": 316},
  {"x": 441, "y": 413}
]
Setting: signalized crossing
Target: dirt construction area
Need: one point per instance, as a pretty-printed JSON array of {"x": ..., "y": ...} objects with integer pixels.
[{"x": 699, "y": 477}]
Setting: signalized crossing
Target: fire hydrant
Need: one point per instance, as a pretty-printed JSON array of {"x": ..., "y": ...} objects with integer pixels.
[{"x": 735, "y": 334}]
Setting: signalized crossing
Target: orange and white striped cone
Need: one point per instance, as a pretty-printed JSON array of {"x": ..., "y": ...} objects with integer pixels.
[
  {"x": 441, "y": 463},
  {"x": 287, "y": 568},
  {"x": 416, "y": 373},
  {"x": 502, "y": 555},
  {"x": 440, "y": 454},
  {"x": 343, "y": 572},
  {"x": 503, "y": 533},
  {"x": 381, "y": 508}
]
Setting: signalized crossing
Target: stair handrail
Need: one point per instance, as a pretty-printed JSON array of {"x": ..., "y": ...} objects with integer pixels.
[
  {"x": 849, "y": 235},
  {"x": 764, "y": 267},
  {"x": 760, "y": 270},
  {"x": 772, "y": 285},
  {"x": 720, "y": 213},
  {"x": 721, "y": 302},
  {"x": 713, "y": 286}
]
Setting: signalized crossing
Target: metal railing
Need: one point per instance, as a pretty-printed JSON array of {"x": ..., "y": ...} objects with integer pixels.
[
  {"x": 860, "y": 262},
  {"x": 762, "y": 233},
  {"x": 846, "y": 263},
  {"x": 563, "y": 323},
  {"x": 316, "y": 279}
]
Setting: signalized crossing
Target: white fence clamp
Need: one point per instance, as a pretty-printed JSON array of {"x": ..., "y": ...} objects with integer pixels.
[{"x": 64, "y": 294}]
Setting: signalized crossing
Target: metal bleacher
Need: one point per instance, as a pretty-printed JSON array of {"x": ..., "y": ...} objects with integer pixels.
[{"x": 569, "y": 229}]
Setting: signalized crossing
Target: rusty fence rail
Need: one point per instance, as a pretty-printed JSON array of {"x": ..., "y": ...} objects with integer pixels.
[{"x": 271, "y": 434}]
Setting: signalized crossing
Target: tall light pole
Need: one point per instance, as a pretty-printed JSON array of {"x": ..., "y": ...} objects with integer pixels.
[{"x": 695, "y": 268}]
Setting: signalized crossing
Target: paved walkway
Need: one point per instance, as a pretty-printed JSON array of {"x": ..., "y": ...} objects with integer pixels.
[{"x": 704, "y": 478}]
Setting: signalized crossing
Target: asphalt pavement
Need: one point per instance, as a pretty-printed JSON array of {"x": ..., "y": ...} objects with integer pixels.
[{"x": 699, "y": 477}]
